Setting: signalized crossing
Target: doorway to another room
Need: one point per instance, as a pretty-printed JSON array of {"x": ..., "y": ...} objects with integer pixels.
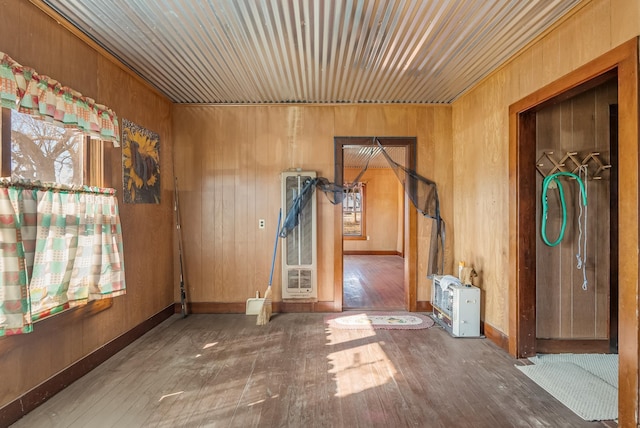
[
  {"x": 374, "y": 224},
  {"x": 373, "y": 282},
  {"x": 576, "y": 290},
  {"x": 569, "y": 145},
  {"x": 621, "y": 226}
]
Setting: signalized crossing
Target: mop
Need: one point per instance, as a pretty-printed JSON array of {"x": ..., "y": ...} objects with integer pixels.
[
  {"x": 581, "y": 256},
  {"x": 265, "y": 312}
]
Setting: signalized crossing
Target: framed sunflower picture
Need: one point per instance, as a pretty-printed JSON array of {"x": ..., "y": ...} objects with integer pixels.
[{"x": 140, "y": 164}]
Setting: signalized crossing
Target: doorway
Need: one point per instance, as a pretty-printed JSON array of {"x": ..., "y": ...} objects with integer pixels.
[
  {"x": 576, "y": 249},
  {"x": 554, "y": 314},
  {"x": 373, "y": 282},
  {"x": 376, "y": 266},
  {"x": 623, "y": 61}
]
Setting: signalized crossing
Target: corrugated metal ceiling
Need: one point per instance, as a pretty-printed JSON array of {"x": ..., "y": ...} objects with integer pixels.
[
  {"x": 371, "y": 156},
  {"x": 306, "y": 51}
]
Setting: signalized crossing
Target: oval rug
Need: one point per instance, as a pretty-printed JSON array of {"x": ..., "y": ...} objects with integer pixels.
[{"x": 379, "y": 320}]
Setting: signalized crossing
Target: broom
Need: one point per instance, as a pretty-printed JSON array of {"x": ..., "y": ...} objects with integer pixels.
[{"x": 265, "y": 312}]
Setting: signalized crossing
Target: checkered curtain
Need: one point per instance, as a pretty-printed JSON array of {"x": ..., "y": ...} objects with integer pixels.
[
  {"x": 22, "y": 89},
  {"x": 59, "y": 247}
]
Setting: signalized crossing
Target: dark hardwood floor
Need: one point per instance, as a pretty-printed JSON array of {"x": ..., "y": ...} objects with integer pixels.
[
  {"x": 373, "y": 282},
  {"x": 224, "y": 371}
]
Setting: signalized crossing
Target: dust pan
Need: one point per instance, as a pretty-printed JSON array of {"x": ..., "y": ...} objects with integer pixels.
[{"x": 254, "y": 304}]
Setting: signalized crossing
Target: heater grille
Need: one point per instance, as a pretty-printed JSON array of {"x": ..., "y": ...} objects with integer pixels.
[{"x": 299, "y": 272}]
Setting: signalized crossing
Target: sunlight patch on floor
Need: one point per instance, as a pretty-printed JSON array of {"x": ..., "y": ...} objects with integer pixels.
[
  {"x": 360, "y": 368},
  {"x": 336, "y": 337}
]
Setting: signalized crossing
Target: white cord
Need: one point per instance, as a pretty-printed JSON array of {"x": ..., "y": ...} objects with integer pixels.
[{"x": 581, "y": 255}]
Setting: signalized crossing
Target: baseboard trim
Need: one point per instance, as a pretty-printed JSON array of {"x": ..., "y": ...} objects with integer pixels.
[
  {"x": 240, "y": 307},
  {"x": 424, "y": 306},
  {"x": 371, "y": 253},
  {"x": 213, "y": 308},
  {"x": 289, "y": 305},
  {"x": 292, "y": 306},
  {"x": 496, "y": 336},
  {"x": 576, "y": 346},
  {"x": 41, "y": 393}
]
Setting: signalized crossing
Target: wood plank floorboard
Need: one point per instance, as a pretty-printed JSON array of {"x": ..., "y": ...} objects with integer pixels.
[
  {"x": 373, "y": 282},
  {"x": 224, "y": 371}
]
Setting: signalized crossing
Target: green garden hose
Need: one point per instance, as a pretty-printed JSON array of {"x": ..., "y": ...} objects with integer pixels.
[{"x": 545, "y": 206}]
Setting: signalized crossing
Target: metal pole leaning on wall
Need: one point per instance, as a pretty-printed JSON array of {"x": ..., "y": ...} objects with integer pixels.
[{"x": 176, "y": 207}]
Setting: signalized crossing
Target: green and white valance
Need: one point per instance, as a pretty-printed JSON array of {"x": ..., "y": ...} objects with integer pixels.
[{"x": 22, "y": 89}]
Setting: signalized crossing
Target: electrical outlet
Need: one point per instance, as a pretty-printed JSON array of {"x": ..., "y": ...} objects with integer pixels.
[{"x": 261, "y": 223}]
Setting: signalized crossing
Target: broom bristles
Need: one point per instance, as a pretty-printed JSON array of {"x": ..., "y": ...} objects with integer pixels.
[{"x": 265, "y": 312}]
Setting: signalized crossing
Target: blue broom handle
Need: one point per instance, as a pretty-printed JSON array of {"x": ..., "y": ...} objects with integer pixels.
[{"x": 275, "y": 247}]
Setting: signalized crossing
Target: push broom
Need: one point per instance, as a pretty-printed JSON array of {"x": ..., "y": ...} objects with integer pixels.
[{"x": 265, "y": 312}]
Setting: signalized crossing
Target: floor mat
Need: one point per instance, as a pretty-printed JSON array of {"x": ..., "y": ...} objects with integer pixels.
[
  {"x": 379, "y": 320},
  {"x": 585, "y": 383}
]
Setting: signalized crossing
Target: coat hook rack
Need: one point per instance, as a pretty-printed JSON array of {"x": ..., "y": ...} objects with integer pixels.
[{"x": 547, "y": 164}]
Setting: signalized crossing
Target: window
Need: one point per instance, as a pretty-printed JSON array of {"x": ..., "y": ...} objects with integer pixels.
[
  {"x": 48, "y": 152},
  {"x": 353, "y": 212},
  {"x": 37, "y": 150},
  {"x": 45, "y": 151},
  {"x": 50, "y": 257}
]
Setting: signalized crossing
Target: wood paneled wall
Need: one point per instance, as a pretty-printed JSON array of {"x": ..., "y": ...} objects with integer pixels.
[
  {"x": 34, "y": 39},
  {"x": 484, "y": 180},
  {"x": 229, "y": 160},
  {"x": 383, "y": 210},
  {"x": 481, "y": 138}
]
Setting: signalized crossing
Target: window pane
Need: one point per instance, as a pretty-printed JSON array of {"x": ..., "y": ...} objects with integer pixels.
[
  {"x": 352, "y": 211},
  {"x": 45, "y": 151}
]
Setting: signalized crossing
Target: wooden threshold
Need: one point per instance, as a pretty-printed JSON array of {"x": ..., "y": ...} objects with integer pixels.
[
  {"x": 372, "y": 253},
  {"x": 575, "y": 346}
]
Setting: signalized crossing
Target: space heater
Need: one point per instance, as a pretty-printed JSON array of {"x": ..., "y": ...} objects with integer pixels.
[{"x": 456, "y": 308}]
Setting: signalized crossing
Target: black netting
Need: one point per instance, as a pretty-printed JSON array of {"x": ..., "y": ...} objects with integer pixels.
[
  {"x": 334, "y": 193},
  {"x": 298, "y": 202},
  {"x": 422, "y": 192}
]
